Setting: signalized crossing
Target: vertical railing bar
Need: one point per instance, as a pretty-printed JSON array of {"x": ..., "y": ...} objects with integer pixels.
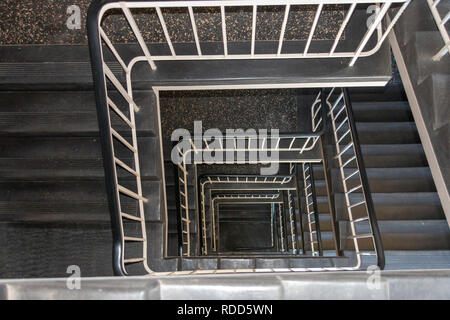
[
  {"x": 194, "y": 30},
  {"x": 299, "y": 206},
  {"x": 206, "y": 143},
  {"x": 313, "y": 28},
  {"x": 394, "y": 21},
  {"x": 186, "y": 202},
  {"x": 331, "y": 198},
  {"x": 442, "y": 52},
  {"x": 380, "y": 26},
  {"x": 138, "y": 173},
  {"x": 113, "y": 49},
  {"x": 122, "y": 140},
  {"x": 341, "y": 30},
  {"x": 330, "y": 94},
  {"x": 369, "y": 32},
  {"x": 286, "y": 220},
  {"x": 205, "y": 241},
  {"x": 119, "y": 113},
  {"x": 294, "y": 235},
  {"x": 166, "y": 32},
  {"x": 213, "y": 224},
  {"x": 376, "y": 235},
  {"x": 224, "y": 31},
  {"x": 283, "y": 28},
  {"x": 291, "y": 144},
  {"x": 138, "y": 34},
  {"x": 445, "y": 19},
  {"x": 442, "y": 29},
  {"x": 255, "y": 9},
  {"x": 281, "y": 228},
  {"x": 305, "y": 189},
  {"x": 118, "y": 85},
  {"x": 304, "y": 146},
  {"x": 316, "y": 211}
]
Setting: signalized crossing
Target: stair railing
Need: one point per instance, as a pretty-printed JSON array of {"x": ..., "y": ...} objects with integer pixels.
[
  {"x": 311, "y": 210},
  {"x": 185, "y": 219},
  {"x": 292, "y": 222},
  {"x": 441, "y": 24},
  {"x": 237, "y": 198},
  {"x": 105, "y": 81},
  {"x": 100, "y": 7},
  {"x": 283, "y": 241},
  {"x": 344, "y": 129},
  {"x": 292, "y": 144},
  {"x": 231, "y": 179}
]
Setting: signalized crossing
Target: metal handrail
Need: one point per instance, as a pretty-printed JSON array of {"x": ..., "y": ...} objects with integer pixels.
[
  {"x": 312, "y": 211},
  {"x": 341, "y": 107},
  {"x": 234, "y": 178},
  {"x": 299, "y": 143},
  {"x": 237, "y": 198},
  {"x": 247, "y": 179},
  {"x": 292, "y": 222},
  {"x": 100, "y": 7},
  {"x": 299, "y": 206},
  {"x": 440, "y": 22},
  {"x": 376, "y": 235},
  {"x": 102, "y": 73}
]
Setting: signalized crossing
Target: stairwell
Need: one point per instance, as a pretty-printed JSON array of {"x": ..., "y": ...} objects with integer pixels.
[{"x": 54, "y": 210}]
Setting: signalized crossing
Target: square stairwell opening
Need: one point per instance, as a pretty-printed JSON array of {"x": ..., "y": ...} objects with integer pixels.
[
  {"x": 131, "y": 54},
  {"x": 233, "y": 211}
]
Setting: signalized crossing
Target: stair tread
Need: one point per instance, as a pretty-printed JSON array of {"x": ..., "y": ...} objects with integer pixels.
[
  {"x": 34, "y": 158},
  {"x": 382, "y": 111},
  {"x": 66, "y": 113},
  {"x": 403, "y": 198}
]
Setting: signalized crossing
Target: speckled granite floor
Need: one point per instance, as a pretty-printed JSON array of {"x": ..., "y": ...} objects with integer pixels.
[
  {"x": 242, "y": 169},
  {"x": 44, "y": 22},
  {"x": 229, "y": 109}
]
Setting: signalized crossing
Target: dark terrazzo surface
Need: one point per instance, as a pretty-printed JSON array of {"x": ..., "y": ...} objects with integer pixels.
[
  {"x": 44, "y": 22},
  {"x": 40, "y": 22},
  {"x": 241, "y": 169},
  {"x": 229, "y": 109}
]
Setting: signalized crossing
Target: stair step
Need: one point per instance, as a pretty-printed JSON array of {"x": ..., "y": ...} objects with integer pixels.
[
  {"x": 397, "y": 206},
  {"x": 327, "y": 240},
  {"x": 324, "y": 220},
  {"x": 407, "y": 235},
  {"x": 261, "y": 263},
  {"x": 36, "y": 158},
  {"x": 65, "y": 113},
  {"x": 56, "y": 200},
  {"x": 384, "y": 180},
  {"x": 387, "y": 132},
  {"x": 389, "y": 156},
  {"x": 417, "y": 259},
  {"x": 171, "y": 196},
  {"x": 384, "y": 111},
  {"x": 172, "y": 225},
  {"x": 26, "y": 245}
]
